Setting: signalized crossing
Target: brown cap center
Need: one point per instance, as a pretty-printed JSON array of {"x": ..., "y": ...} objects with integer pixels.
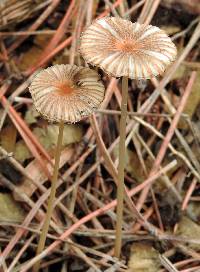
[
  {"x": 127, "y": 46},
  {"x": 64, "y": 88}
]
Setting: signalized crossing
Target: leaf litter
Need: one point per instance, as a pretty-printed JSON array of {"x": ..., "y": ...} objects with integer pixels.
[{"x": 85, "y": 184}]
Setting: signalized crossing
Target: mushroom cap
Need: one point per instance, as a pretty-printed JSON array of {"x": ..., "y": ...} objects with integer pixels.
[
  {"x": 66, "y": 92},
  {"x": 122, "y": 48}
]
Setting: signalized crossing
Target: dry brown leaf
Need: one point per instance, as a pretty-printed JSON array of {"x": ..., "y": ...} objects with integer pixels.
[
  {"x": 144, "y": 258},
  {"x": 48, "y": 136},
  {"x": 42, "y": 40},
  {"x": 29, "y": 57},
  {"x": 194, "y": 98},
  {"x": 192, "y": 103},
  {"x": 194, "y": 211},
  {"x": 31, "y": 115},
  {"x": 33, "y": 170},
  {"x": 189, "y": 229},
  {"x": 171, "y": 29},
  {"x": 22, "y": 152},
  {"x": 180, "y": 72},
  {"x": 72, "y": 134},
  {"x": 8, "y": 138},
  {"x": 10, "y": 210}
]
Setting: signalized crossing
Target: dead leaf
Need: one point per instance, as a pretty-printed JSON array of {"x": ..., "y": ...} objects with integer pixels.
[
  {"x": 10, "y": 210},
  {"x": 48, "y": 136},
  {"x": 192, "y": 102},
  {"x": 144, "y": 258},
  {"x": 189, "y": 229},
  {"x": 72, "y": 133},
  {"x": 194, "y": 211},
  {"x": 194, "y": 98},
  {"x": 34, "y": 53},
  {"x": 8, "y": 138},
  {"x": 171, "y": 29},
  {"x": 132, "y": 166},
  {"x": 31, "y": 115},
  {"x": 33, "y": 171},
  {"x": 169, "y": 208},
  {"x": 62, "y": 59},
  {"x": 22, "y": 152},
  {"x": 42, "y": 40},
  {"x": 180, "y": 72},
  {"x": 29, "y": 57}
]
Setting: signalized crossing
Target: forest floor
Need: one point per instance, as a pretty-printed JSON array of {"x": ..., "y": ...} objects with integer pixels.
[{"x": 162, "y": 171}]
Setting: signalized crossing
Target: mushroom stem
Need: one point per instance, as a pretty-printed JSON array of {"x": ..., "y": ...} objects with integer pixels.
[
  {"x": 122, "y": 149},
  {"x": 51, "y": 199}
]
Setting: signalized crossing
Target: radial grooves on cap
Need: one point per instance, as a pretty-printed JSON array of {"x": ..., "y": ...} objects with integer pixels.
[
  {"x": 122, "y": 48},
  {"x": 83, "y": 94}
]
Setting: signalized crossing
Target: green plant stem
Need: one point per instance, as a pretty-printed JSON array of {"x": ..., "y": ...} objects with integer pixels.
[
  {"x": 45, "y": 227},
  {"x": 120, "y": 187}
]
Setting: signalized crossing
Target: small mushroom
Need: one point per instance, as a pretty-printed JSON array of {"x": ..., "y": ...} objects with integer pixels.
[
  {"x": 122, "y": 48},
  {"x": 63, "y": 93},
  {"x": 66, "y": 92},
  {"x": 128, "y": 50}
]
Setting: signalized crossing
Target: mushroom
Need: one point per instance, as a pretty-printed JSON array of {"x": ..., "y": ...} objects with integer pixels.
[
  {"x": 128, "y": 50},
  {"x": 122, "y": 48},
  {"x": 64, "y": 94}
]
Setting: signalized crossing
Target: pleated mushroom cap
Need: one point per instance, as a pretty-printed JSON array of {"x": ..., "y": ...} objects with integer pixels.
[
  {"x": 66, "y": 92},
  {"x": 122, "y": 48}
]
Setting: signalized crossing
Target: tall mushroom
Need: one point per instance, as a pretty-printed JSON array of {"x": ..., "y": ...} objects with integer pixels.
[
  {"x": 64, "y": 94},
  {"x": 128, "y": 50}
]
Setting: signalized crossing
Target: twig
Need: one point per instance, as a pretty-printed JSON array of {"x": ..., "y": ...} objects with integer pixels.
[
  {"x": 167, "y": 264},
  {"x": 182, "y": 33},
  {"x": 188, "y": 194},
  {"x": 148, "y": 114},
  {"x": 93, "y": 214},
  {"x": 24, "y": 33},
  {"x": 168, "y": 137},
  {"x": 134, "y": 8}
]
